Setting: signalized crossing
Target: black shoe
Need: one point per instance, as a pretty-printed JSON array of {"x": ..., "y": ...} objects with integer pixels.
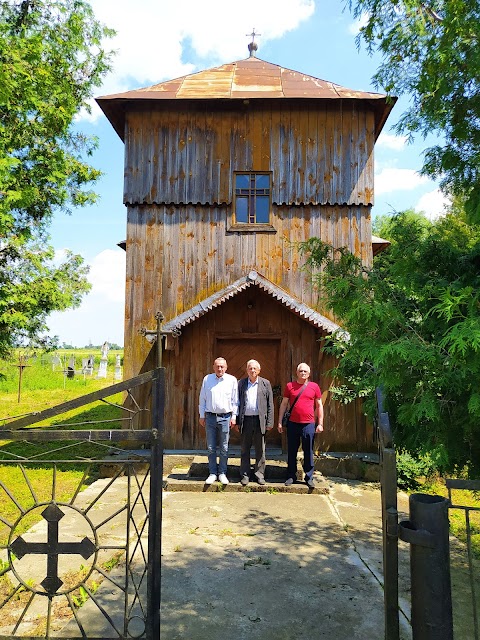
[
  {"x": 261, "y": 480},
  {"x": 245, "y": 480},
  {"x": 288, "y": 482},
  {"x": 310, "y": 483}
]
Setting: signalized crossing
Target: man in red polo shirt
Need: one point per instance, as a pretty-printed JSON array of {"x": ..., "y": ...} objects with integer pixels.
[{"x": 305, "y": 421}]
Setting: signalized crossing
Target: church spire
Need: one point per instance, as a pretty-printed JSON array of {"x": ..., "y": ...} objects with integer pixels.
[{"x": 253, "y": 46}]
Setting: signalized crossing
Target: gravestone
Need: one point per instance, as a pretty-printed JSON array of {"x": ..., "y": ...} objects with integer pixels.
[
  {"x": 71, "y": 367},
  {"x": 102, "y": 369},
  {"x": 118, "y": 368},
  {"x": 90, "y": 362},
  {"x": 56, "y": 362}
]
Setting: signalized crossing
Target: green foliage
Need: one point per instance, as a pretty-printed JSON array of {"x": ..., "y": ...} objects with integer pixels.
[
  {"x": 410, "y": 469},
  {"x": 411, "y": 324},
  {"x": 52, "y": 59},
  {"x": 430, "y": 53}
]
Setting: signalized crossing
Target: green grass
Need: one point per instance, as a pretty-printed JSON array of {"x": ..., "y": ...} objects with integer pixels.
[
  {"x": 460, "y": 497},
  {"x": 42, "y": 387}
]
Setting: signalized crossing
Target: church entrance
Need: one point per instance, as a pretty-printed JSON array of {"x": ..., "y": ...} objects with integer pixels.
[{"x": 238, "y": 350}]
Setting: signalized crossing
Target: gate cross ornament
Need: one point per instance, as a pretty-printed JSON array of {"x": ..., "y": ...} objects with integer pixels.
[{"x": 52, "y": 548}]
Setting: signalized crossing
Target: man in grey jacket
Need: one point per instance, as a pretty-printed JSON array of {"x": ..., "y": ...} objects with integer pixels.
[{"x": 255, "y": 418}]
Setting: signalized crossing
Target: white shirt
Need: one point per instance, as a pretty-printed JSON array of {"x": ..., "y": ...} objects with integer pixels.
[
  {"x": 218, "y": 395},
  {"x": 251, "y": 398}
]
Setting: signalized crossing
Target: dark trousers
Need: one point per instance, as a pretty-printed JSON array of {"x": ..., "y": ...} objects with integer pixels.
[
  {"x": 252, "y": 435},
  {"x": 305, "y": 433}
]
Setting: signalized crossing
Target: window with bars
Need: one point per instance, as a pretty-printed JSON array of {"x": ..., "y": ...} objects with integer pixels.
[{"x": 252, "y": 201}]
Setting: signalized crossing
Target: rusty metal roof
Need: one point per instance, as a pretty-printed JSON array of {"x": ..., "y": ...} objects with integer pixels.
[
  {"x": 379, "y": 245},
  {"x": 252, "y": 279},
  {"x": 247, "y": 79}
]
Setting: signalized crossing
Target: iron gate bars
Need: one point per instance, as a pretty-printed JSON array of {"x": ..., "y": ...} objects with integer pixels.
[
  {"x": 468, "y": 485},
  {"x": 388, "y": 482},
  {"x": 87, "y": 527}
]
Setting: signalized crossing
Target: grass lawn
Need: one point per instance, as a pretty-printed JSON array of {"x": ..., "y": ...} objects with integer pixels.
[
  {"x": 462, "y": 498},
  {"x": 43, "y": 386}
]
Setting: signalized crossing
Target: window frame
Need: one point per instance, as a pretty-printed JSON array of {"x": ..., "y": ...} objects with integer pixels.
[{"x": 251, "y": 193}]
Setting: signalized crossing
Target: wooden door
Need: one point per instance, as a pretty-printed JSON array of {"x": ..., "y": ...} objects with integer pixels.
[{"x": 237, "y": 351}]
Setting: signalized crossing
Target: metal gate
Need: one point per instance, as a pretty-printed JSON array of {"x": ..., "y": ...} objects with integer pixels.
[
  {"x": 83, "y": 556},
  {"x": 388, "y": 483},
  {"x": 429, "y": 576}
]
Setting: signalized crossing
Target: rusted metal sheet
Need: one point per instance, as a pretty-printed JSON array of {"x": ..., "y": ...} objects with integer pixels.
[
  {"x": 248, "y": 79},
  {"x": 317, "y": 154},
  {"x": 379, "y": 245}
]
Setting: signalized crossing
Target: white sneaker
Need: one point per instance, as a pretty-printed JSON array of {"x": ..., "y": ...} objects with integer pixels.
[
  {"x": 223, "y": 478},
  {"x": 211, "y": 479}
]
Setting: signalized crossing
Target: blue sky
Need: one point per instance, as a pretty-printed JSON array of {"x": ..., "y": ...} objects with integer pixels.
[{"x": 159, "y": 40}]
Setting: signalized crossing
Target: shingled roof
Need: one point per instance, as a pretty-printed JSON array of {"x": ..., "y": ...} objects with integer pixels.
[
  {"x": 252, "y": 279},
  {"x": 248, "y": 79}
]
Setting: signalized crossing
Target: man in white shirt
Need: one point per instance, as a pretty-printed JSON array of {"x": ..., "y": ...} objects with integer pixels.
[{"x": 218, "y": 407}]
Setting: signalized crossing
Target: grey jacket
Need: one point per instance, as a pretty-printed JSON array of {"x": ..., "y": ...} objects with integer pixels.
[{"x": 265, "y": 403}]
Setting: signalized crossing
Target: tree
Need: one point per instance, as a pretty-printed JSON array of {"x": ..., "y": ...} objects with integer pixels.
[
  {"x": 411, "y": 324},
  {"x": 51, "y": 60},
  {"x": 430, "y": 54}
]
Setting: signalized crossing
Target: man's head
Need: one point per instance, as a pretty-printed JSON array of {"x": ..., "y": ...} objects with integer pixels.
[
  {"x": 303, "y": 372},
  {"x": 219, "y": 367},
  {"x": 253, "y": 370}
]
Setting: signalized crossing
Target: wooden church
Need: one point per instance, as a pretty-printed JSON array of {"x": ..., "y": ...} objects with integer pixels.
[{"x": 225, "y": 171}]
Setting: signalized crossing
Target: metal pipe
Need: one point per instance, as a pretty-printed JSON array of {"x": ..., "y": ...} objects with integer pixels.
[{"x": 427, "y": 532}]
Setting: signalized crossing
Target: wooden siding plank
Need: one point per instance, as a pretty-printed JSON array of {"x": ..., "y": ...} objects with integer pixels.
[
  {"x": 183, "y": 153},
  {"x": 311, "y": 168},
  {"x": 338, "y": 151}
]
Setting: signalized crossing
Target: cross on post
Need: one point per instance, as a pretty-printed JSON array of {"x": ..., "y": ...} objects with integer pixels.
[
  {"x": 157, "y": 335},
  {"x": 253, "y": 46},
  {"x": 52, "y": 548}
]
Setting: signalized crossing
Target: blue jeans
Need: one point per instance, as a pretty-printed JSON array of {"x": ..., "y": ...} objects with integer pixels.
[
  {"x": 305, "y": 433},
  {"x": 217, "y": 427}
]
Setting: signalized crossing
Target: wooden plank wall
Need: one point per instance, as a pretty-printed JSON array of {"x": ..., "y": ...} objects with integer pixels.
[
  {"x": 318, "y": 152},
  {"x": 345, "y": 427},
  {"x": 182, "y": 254}
]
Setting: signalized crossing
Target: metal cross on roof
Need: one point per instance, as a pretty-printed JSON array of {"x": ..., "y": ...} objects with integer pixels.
[{"x": 253, "y": 46}]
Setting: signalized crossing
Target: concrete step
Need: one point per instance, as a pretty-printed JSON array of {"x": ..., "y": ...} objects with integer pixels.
[
  {"x": 275, "y": 468},
  {"x": 179, "y": 479},
  {"x": 194, "y": 464}
]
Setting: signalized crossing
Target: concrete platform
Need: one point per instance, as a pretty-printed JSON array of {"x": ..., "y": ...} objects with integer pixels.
[{"x": 253, "y": 563}]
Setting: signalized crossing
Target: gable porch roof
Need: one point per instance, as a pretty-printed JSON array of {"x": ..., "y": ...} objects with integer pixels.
[{"x": 253, "y": 279}]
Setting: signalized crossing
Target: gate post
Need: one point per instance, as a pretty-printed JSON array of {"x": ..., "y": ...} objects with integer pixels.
[
  {"x": 155, "y": 507},
  {"x": 427, "y": 532}
]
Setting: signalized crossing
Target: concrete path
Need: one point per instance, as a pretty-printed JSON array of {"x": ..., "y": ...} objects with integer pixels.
[
  {"x": 248, "y": 564},
  {"x": 273, "y": 566}
]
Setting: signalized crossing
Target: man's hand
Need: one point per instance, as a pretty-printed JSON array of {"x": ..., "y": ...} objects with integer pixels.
[
  {"x": 202, "y": 422},
  {"x": 319, "y": 428},
  {"x": 279, "y": 427}
]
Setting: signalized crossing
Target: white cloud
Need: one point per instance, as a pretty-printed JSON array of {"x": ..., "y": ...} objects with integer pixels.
[
  {"x": 433, "y": 204},
  {"x": 389, "y": 180},
  {"x": 355, "y": 27},
  {"x": 152, "y": 35},
  {"x": 397, "y": 143},
  {"x": 107, "y": 274},
  {"x": 101, "y": 314}
]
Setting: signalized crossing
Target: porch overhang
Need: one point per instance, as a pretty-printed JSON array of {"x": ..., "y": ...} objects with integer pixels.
[{"x": 253, "y": 279}]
